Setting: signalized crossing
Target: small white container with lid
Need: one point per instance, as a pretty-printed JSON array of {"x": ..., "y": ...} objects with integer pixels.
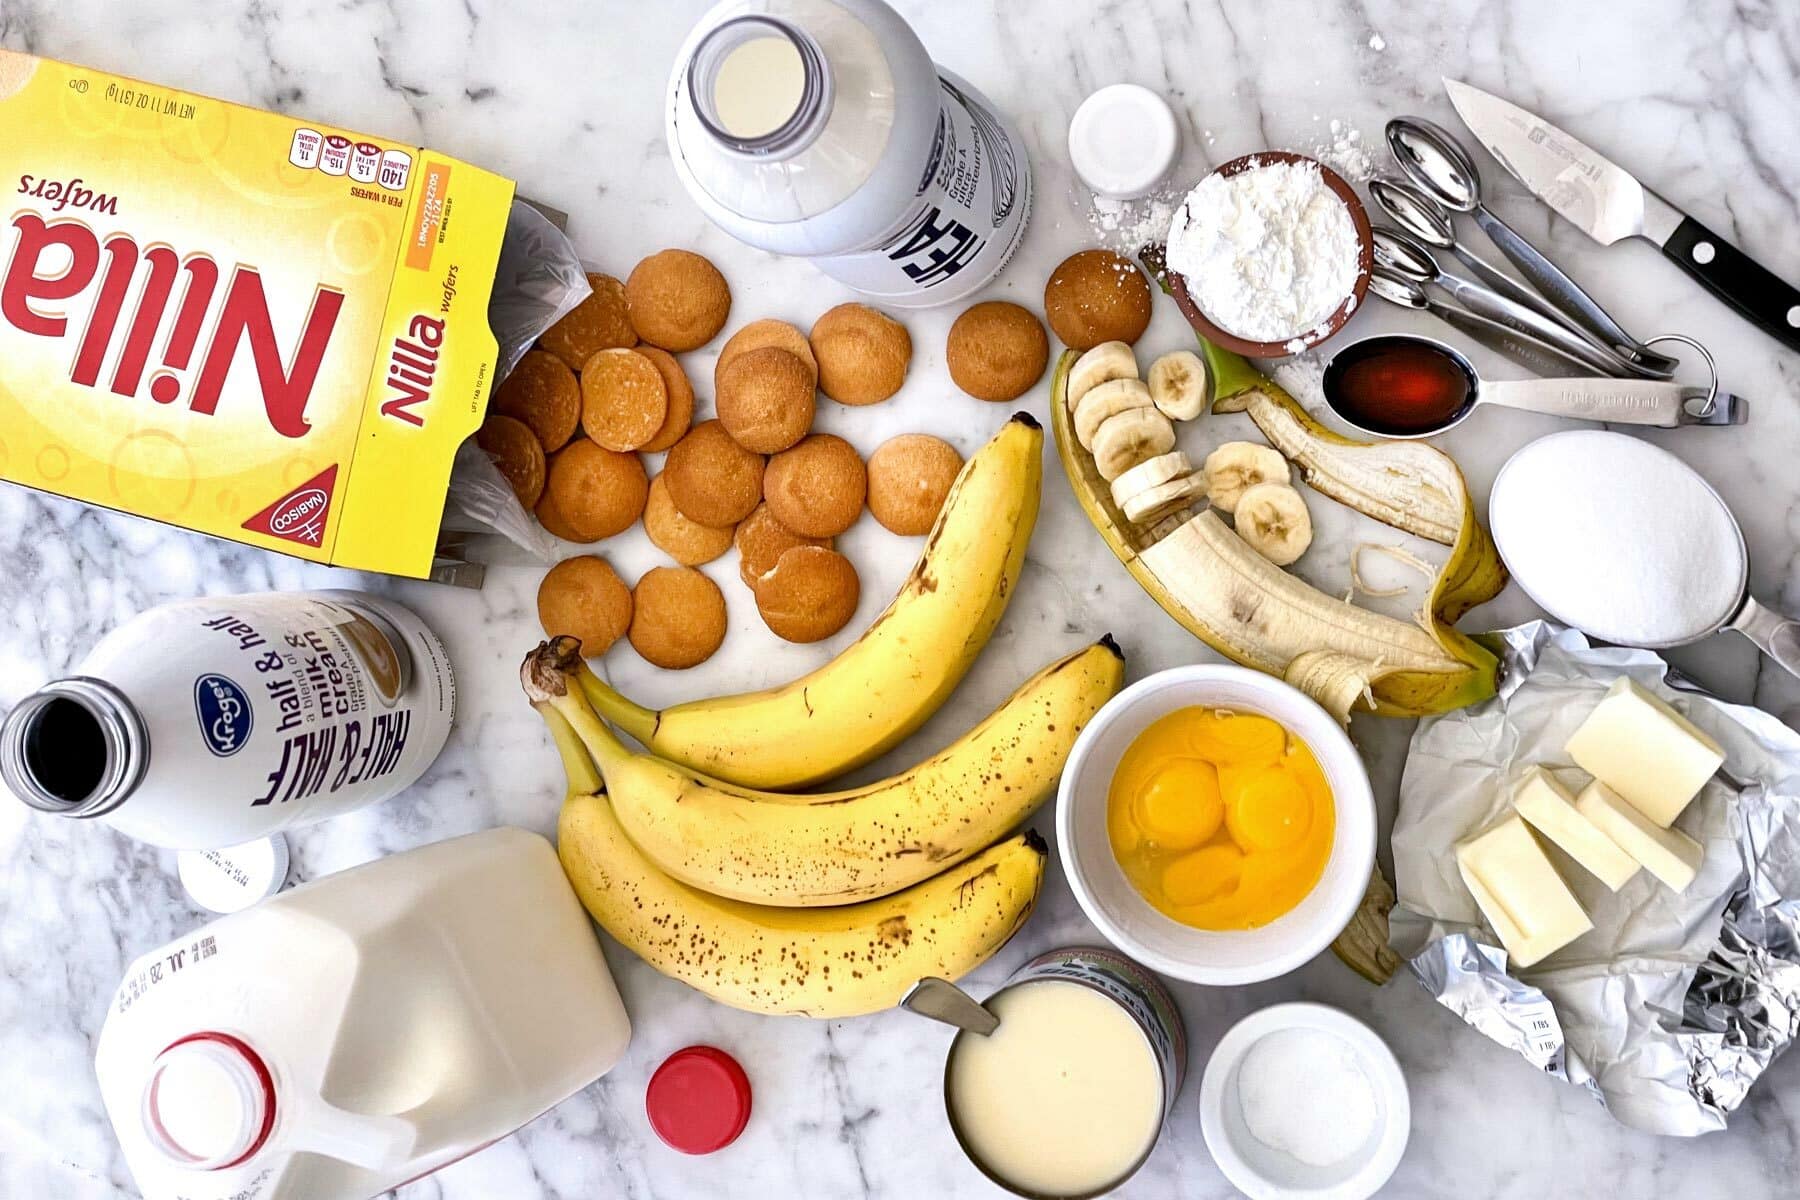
[{"x": 1123, "y": 140}]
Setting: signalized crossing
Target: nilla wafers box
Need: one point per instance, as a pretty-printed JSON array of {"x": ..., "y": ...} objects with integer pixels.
[{"x": 260, "y": 328}]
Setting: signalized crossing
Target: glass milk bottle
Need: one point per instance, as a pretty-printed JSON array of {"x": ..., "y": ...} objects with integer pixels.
[
  {"x": 361, "y": 1030},
  {"x": 210, "y": 722},
  {"x": 821, "y": 128}
]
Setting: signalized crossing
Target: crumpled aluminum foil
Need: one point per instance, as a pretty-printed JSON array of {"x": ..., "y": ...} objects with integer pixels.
[{"x": 1674, "y": 1004}]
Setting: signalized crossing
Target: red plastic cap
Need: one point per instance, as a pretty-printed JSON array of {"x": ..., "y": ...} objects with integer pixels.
[{"x": 698, "y": 1100}]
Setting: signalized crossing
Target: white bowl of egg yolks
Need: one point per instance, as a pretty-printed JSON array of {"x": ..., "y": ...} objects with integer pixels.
[{"x": 1123, "y": 914}]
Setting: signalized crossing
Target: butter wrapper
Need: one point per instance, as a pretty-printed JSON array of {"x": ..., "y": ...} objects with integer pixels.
[{"x": 1674, "y": 1004}]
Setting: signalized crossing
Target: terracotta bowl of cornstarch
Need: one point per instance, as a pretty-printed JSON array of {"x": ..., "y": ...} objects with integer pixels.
[{"x": 1270, "y": 254}]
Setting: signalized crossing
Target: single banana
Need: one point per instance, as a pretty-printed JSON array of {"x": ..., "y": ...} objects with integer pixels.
[
  {"x": 1102, "y": 364},
  {"x": 1272, "y": 517},
  {"x": 1152, "y": 472},
  {"x": 1178, "y": 385},
  {"x": 904, "y": 666},
  {"x": 1106, "y": 401},
  {"x": 1236, "y": 466},
  {"x": 821, "y": 962},
  {"x": 1153, "y": 504},
  {"x": 1126, "y": 439},
  {"x": 819, "y": 849}
]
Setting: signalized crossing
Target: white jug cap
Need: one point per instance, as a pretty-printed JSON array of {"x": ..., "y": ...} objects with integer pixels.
[
  {"x": 1123, "y": 140},
  {"x": 209, "y": 1102},
  {"x": 231, "y": 879}
]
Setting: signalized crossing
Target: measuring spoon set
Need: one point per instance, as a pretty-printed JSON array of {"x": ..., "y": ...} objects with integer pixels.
[{"x": 1552, "y": 326}]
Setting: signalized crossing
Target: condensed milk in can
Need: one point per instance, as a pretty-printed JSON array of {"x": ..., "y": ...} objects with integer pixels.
[
  {"x": 211, "y": 722},
  {"x": 1066, "y": 1098}
]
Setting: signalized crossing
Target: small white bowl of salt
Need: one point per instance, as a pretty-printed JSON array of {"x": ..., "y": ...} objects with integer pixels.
[{"x": 1302, "y": 1100}]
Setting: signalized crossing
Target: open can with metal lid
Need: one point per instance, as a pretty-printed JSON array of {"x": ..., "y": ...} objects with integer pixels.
[{"x": 1066, "y": 1098}]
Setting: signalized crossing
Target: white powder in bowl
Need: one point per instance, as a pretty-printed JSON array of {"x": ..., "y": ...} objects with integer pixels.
[
  {"x": 1268, "y": 253},
  {"x": 1304, "y": 1092},
  {"x": 1618, "y": 537}
]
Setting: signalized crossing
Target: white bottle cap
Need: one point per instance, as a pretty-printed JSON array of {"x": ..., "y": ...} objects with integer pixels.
[
  {"x": 233, "y": 878},
  {"x": 208, "y": 1102},
  {"x": 1123, "y": 140}
]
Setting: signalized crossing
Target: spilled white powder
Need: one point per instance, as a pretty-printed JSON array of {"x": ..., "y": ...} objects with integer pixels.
[
  {"x": 1304, "y": 1092},
  {"x": 1268, "y": 254},
  {"x": 1125, "y": 226},
  {"x": 1344, "y": 152},
  {"x": 1617, "y": 537}
]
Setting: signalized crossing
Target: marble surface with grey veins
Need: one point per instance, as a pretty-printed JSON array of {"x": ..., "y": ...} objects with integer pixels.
[{"x": 1698, "y": 96}]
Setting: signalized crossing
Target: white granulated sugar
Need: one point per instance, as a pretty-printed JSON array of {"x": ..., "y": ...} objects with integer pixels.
[
  {"x": 1304, "y": 1093},
  {"x": 1618, "y": 537},
  {"x": 1269, "y": 253}
]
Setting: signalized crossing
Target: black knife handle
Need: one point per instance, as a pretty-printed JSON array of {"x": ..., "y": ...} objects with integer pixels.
[{"x": 1737, "y": 279}]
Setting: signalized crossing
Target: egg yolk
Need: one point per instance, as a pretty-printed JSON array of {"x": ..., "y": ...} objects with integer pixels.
[{"x": 1221, "y": 820}]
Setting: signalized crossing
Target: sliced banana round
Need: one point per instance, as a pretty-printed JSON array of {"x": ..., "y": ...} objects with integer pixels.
[
  {"x": 1153, "y": 504},
  {"x": 1150, "y": 473},
  {"x": 1107, "y": 400},
  {"x": 1272, "y": 517},
  {"x": 1239, "y": 465},
  {"x": 1102, "y": 364},
  {"x": 1179, "y": 385},
  {"x": 1127, "y": 438}
]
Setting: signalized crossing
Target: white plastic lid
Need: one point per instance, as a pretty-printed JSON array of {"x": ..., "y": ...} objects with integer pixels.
[
  {"x": 208, "y": 1102},
  {"x": 1123, "y": 140},
  {"x": 232, "y": 879}
]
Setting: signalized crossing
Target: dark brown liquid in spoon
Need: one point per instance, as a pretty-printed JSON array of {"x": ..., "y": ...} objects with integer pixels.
[{"x": 1398, "y": 386}]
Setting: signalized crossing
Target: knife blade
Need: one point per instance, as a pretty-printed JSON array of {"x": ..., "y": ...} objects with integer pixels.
[{"x": 1609, "y": 203}]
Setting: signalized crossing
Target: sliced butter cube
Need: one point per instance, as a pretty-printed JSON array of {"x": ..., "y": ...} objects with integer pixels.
[
  {"x": 1520, "y": 893},
  {"x": 1550, "y": 809},
  {"x": 1644, "y": 750},
  {"x": 1669, "y": 854}
]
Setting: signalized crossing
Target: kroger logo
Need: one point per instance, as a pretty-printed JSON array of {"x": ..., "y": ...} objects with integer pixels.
[{"x": 224, "y": 711}]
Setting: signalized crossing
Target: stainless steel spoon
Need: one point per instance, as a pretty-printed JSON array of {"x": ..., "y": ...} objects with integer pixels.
[
  {"x": 1417, "y": 212},
  {"x": 1522, "y": 348},
  {"x": 943, "y": 1001},
  {"x": 1410, "y": 258},
  {"x": 1433, "y": 158}
]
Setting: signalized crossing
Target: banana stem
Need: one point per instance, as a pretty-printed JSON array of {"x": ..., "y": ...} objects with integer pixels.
[
  {"x": 548, "y": 675},
  {"x": 633, "y": 718},
  {"x": 584, "y": 777}
]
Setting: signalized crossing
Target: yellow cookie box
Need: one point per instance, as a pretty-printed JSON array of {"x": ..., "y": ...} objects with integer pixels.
[{"x": 264, "y": 329}]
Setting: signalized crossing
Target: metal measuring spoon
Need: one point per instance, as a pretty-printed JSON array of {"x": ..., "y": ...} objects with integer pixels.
[
  {"x": 1620, "y": 401},
  {"x": 1775, "y": 634},
  {"x": 1405, "y": 255},
  {"x": 1522, "y": 348},
  {"x": 1417, "y": 212},
  {"x": 1433, "y": 158}
]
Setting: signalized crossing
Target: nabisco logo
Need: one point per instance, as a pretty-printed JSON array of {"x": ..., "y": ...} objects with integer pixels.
[
  {"x": 55, "y": 263},
  {"x": 300, "y": 510}
]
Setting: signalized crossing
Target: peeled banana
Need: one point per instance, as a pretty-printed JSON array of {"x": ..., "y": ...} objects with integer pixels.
[
  {"x": 1128, "y": 438},
  {"x": 823, "y": 962},
  {"x": 1102, "y": 364},
  {"x": 903, "y": 667},
  {"x": 839, "y": 847},
  {"x": 1107, "y": 401},
  {"x": 1237, "y": 466},
  {"x": 1272, "y": 517},
  {"x": 1178, "y": 385},
  {"x": 1153, "y": 504},
  {"x": 1210, "y": 580}
]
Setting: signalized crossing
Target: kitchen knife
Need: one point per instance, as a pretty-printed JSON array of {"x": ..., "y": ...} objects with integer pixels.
[{"x": 1607, "y": 203}]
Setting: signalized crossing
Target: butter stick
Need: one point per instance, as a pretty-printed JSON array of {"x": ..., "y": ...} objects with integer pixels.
[
  {"x": 1641, "y": 748},
  {"x": 1669, "y": 854},
  {"x": 1550, "y": 809},
  {"x": 1519, "y": 891}
]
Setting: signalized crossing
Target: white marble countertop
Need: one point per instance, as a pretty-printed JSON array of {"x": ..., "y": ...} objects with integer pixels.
[{"x": 565, "y": 96}]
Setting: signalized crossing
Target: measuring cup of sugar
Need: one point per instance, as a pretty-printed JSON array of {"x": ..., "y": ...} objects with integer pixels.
[{"x": 1626, "y": 542}]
